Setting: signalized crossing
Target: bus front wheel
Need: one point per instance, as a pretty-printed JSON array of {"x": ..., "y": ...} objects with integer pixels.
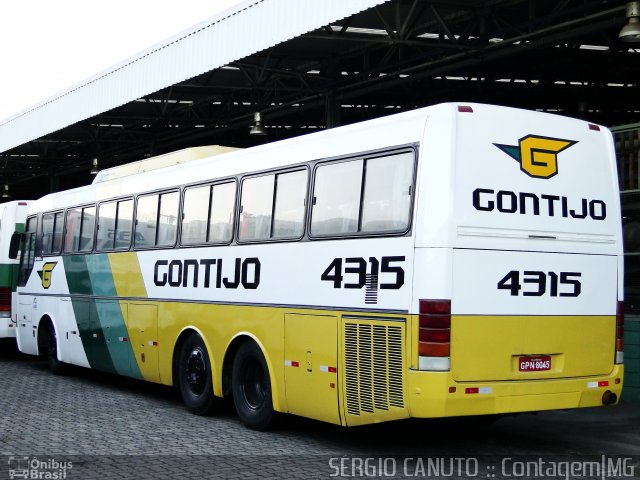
[
  {"x": 56, "y": 366},
  {"x": 252, "y": 388},
  {"x": 195, "y": 378}
]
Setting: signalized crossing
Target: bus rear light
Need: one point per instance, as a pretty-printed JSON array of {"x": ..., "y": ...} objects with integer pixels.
[
  {"x": 5, "y": 299},
  {"x": 437, "y": 335},
  {"x": 620, "y": 333},
  {"x": 434, "y": 338},
  {"x": 465, "y": 109},
  {"x": 428, "y": 349}
]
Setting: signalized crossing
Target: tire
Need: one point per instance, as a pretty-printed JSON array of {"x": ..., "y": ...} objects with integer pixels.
[
  {"x": 195, "y": 378},
  {"x": 252, "y": 388},
  {"x": 56, "y": 366}
]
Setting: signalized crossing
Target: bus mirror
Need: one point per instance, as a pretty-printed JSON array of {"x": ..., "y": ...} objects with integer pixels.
[{"x": 14, "y": 246}]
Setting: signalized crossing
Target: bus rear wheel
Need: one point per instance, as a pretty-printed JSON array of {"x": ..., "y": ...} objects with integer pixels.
[
  {"x": 195, "y": 377},
  {"x": 252, "y": 388}
]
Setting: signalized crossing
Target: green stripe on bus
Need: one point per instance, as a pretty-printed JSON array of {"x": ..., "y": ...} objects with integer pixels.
[
  {"x": 110, "y": 315},
  {"x": 102, "y": 328},
  {"x": 93, "y": 338},
  {"x": 7, "y": 274}
]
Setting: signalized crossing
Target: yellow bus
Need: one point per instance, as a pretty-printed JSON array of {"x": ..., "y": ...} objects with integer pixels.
[{"x": 447, "y": 261}]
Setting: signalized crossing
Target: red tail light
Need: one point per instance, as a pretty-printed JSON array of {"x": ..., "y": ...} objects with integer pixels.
[
  {"x": 5, "y": 299},
  {"x": 435, "y": 328},
  {"x": 619, "y": 332}
]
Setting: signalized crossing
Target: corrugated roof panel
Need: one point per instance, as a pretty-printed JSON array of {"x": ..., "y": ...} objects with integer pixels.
[{"x": 250, "y": 27}]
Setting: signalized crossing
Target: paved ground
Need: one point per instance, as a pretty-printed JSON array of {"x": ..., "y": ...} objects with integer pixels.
[{"x": 111, "y": 427}]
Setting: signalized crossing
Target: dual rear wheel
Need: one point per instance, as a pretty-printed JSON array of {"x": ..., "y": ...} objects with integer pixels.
[{"x": 250, "y": 383}]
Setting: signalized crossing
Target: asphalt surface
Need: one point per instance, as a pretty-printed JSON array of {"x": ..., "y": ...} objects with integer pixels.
[{"x": 92, "y": 425}]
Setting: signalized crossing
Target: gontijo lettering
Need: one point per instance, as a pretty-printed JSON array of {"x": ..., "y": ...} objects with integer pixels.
[
  {"x": 207, "y": 273},
  {"x": 525, "y": 203}
]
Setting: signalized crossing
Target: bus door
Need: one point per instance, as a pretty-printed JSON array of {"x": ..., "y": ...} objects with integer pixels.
[{"x": 25, "y": 303}]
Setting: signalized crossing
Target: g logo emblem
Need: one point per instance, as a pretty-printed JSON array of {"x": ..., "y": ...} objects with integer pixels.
[
  {"x": 537, "y": 156},
  {"x": 45, "y": 274}
]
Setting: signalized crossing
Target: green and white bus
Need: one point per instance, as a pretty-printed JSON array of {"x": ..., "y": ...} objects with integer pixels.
[{"x": 451, "y": 260}]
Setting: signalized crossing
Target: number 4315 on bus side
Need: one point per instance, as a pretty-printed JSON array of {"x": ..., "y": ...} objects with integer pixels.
[{"x": 535, "y": 283}]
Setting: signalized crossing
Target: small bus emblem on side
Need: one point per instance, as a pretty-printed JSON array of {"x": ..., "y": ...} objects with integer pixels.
[{"x": 45, "y": 274}]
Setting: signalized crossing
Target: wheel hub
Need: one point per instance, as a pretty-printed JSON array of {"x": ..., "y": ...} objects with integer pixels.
[
  {"x": 254, "y": 384},
  {"x": 196, "y": 371}
]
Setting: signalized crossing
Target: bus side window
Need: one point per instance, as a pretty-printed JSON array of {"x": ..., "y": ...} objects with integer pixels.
[
  {"x": 197, "y": 202},
  {"x": 363, "y": 196},
  {"x": 386, "y": 203},
  {"x": 87, "y": 230},
  {"x": 223, "y": 203},
  {"x": 72, "y": 232},
  {"x": 337, "y": 198},
  {"x": 146, "y": 221},
  {"x": 289, "y": 208},
  {"x": 255, "y": 213},
  {"x": 52, "y": 224},
  {"x": 106, "y": 226},
  {"x": 47, "y": 233},
  {"x": 157, "y": 219},
  {"x": 208, "y": 213},
  {"x": 28, "y": 253},
  {"x": 168, "y": 219},
  {"x": 124, "y": 222},
  {"x": 273, "y": 206}
]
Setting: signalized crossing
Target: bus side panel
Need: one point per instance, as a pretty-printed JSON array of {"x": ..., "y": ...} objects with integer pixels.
[{"x": 12, "y": 218}]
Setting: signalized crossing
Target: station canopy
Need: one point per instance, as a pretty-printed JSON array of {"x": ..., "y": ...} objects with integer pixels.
[{"x": 310, "y": 65}]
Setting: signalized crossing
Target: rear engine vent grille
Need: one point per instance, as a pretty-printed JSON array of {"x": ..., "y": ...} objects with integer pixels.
[{"x": 374, "y": 366}]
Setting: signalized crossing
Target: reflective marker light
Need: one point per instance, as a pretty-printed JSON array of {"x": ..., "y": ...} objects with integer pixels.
[{"x": 434, "y": 342}]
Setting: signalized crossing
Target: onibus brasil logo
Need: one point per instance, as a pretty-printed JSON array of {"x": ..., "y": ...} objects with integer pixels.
[
  {"x": 45, "y": 274},
  {"x": 537, "y": 156}
]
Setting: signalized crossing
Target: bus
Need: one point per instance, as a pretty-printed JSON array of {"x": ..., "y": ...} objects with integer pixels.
[
  {"x": 12, "y": 218},
  {"x": 454, "y": 260}
]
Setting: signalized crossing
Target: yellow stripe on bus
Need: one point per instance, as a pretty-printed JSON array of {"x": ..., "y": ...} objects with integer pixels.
[
  {"x": 143, "y": 332},
  {"x": 127, "y": 275}
]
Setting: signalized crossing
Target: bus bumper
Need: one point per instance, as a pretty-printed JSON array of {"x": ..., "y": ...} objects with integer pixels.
[
  {"x": 7, "y": 328},
  {"x": 435, "y": 394}
]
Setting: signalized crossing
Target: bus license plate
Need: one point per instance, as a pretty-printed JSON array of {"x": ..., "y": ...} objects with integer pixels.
[{"x": 534, "y": 364}]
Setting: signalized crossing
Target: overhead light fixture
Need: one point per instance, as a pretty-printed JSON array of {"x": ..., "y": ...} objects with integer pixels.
[
  {"x": 5, "y": 192},
  {"x": 95, "y": 170},
  {"x": 258, "y": 128},
  {"x": 631, "y": 31}
]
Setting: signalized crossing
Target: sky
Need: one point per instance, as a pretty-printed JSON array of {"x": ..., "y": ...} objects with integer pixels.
[{"x": 47, "y": 46}]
